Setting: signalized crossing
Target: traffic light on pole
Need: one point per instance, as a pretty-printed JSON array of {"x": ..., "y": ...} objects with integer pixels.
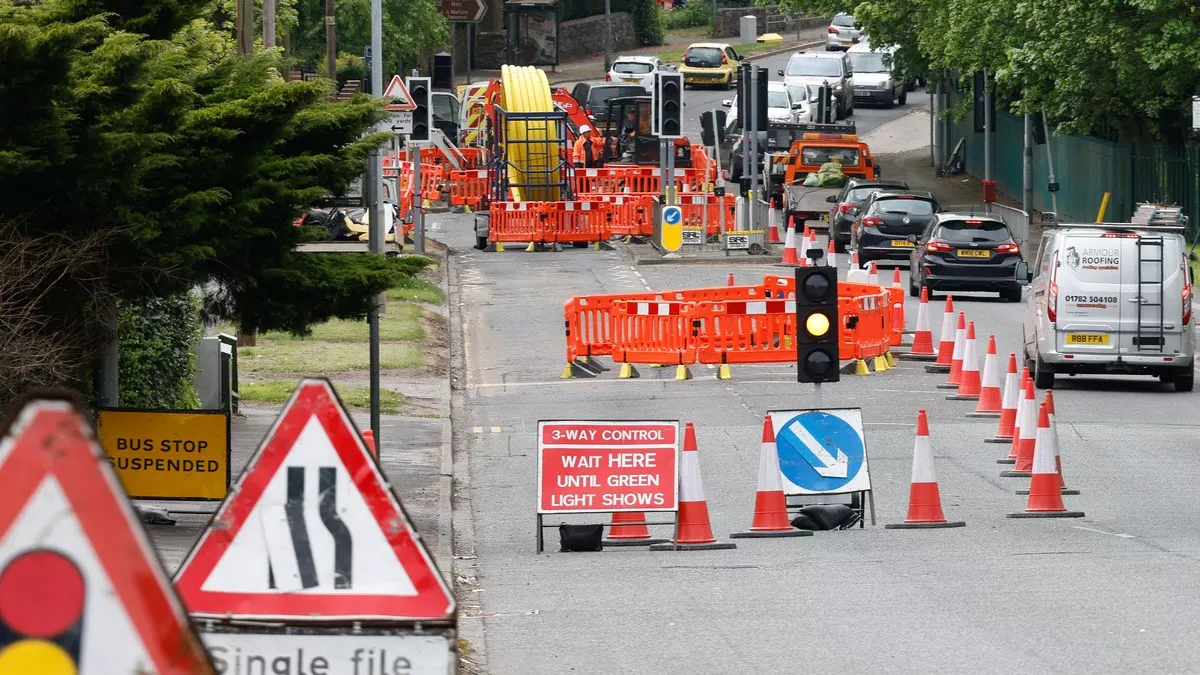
[
  {"x": 670, "y": 105},
  {"x": 418, "y": 89},
  {"x": 42, "y": 596},
  {"x": 817, "y": 324}
]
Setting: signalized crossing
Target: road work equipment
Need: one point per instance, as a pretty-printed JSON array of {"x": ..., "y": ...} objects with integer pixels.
[
  {"x": 1045, "y": 487},
  {"x": 770, "y": 504},
  {"x": 924, "y": 498},
  {"x": 693, "y": 531}
]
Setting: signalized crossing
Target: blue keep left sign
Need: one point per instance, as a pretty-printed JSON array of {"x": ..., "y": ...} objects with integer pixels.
[
  {"x": 821, "y": 451},
  {"x": 671, "y": 215}
]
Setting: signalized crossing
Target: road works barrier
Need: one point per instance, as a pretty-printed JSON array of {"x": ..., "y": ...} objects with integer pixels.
[
  {"x": 721, "y": 325},
  {"x": 432, "y": 178},
  {"x": 468, "y": 187},
  {"x": 643, "y": 180}
]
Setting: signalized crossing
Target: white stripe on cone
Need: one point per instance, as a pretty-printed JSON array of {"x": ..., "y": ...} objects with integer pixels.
[
  {"x": 691, "y": 487},
  {"x": 1044, "y": 451},
  {"x": 991, "y": 372},
  {"x": 923, "y": 318},
  {"x": 1012, "y": 393},
  {"x": 948, "y": 328},
  {"x": 1027, "y": 418},
  {"x": 831, "y": 252},
  {"x": 922, "y": 468},
  {"x": 970, "y": 358},
  {"x": 960, "y": 343},
  {"x": 873, "y": 274},
  {"x": 770, "y": 479}
]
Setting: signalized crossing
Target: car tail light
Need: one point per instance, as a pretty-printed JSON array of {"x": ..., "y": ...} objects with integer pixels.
[
  {"x": 724, "y": 58},
  {"x": 845, "y": 207},
  {"x": 1187, "y": 302},
  {"x": 832, "y": 30},
  {"x": 1008, "y": 247},
  {"x": 587, "y": 111},
  {"x": 608, "y": 77},
  {"x": 1052, "y": 292},
  {"x": 872, "y": 221},
  {"x": 938, "y": 246}
]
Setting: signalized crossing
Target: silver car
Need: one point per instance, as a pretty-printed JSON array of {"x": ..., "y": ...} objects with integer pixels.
[
  {"x": 875, "y": 76},
  {"x": 817, "y": 68},
  {"x": 843, "y": 32}
]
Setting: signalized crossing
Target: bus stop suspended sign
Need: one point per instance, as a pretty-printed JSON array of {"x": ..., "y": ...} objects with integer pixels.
[
  {"x": 168, "y": 454},
  {"x": 599, "y": 467}
]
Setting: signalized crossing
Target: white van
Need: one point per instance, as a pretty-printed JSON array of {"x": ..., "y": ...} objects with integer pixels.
[
  {"x": 876, "y": 79},
  {"x": 1112, "y": 298}
]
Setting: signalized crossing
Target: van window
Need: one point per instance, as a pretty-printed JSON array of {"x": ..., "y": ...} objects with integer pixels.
[
  {"x": 598, "y": 96},
  {"x": 815, "y": 155},
  {"x": 1047, "y": 251},
  {"x": 870, "y": 62},
  {"x": 814, "y": 67}
]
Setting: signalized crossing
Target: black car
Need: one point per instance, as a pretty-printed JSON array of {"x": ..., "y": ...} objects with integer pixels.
[
  {"x": 958, "y": 252},
  {"x": 853, "y": 196},
  {"x": 593, "y": 98},
  {"x": 882, "y": 226}
]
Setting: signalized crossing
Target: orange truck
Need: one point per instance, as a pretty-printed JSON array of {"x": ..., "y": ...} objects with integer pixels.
[{"x": 825, "y": 143}]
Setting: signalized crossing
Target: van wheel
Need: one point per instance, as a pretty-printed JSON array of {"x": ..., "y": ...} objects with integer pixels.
[
  {"x": 1043, "y": 376},
  {"x": 1184, "y": 381},
  {"x": 904, "y": 96}
]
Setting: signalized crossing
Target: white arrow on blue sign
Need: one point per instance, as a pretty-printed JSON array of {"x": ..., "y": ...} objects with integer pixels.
[
  {"x": 671, "y": 215},
  {"x": 821, "y": 451}
]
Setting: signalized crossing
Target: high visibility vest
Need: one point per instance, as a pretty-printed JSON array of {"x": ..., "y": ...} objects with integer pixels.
[{"x": 584, "y": 151}]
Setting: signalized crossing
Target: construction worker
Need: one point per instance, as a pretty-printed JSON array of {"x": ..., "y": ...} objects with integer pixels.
[{"x": 585, "y": 154}]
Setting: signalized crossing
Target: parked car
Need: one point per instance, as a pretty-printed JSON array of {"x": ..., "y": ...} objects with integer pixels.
[
  {"x": 805, "y": 98},
  {"x": 710, "y": 64},
  {"x": 843, "y": 32},
  {"x": 635, "y": 70},
  {"x": 1111, "y": 298},
  {"x": 883, "y": 226},
  {"x": 593, "y": 98},
  {"x": 965, "y": 252},
  {"x": 780, "y": 106},
  {"x": 875, "y": 76},
  {"x": 853, "y": 196},
  {"x": 817, "y": 68}
]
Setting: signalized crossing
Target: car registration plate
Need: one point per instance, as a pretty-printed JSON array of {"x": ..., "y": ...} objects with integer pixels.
[
  {"x": 902, "y": 243},
  {"x": 973, "y": 253},
  {"x": 631, "y": 79},
  {"x": 1087, "y": 338},
  {"x": 825, "y": 217}
]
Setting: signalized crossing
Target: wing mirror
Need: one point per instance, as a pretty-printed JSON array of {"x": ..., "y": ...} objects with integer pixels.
[
  {"x": 780, "y": 72},
  {"x": 832, "y": 199},
  {"x": 727, "y": 103},
  {"x": 1022, "y": 273},
  {"x": 1019, "y": 240},
  {"x": 912, "y": 238}
]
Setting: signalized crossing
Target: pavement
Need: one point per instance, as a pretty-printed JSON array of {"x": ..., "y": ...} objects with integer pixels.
[{"x": 1111, "y": 592}]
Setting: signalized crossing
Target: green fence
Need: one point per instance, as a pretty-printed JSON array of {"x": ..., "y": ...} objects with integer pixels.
[{"x": 1085, "y": 168}]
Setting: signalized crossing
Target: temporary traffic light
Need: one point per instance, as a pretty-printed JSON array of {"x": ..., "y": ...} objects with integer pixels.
[
  {"x": 41, "y": 614},
  {"x": 670, "y": 105},
  {"x": 761, "y": 100},
  {"x": 418, "y": 89},
  {"x": 817, "y": 324}
]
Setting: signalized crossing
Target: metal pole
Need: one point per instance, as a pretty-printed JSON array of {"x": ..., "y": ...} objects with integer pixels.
[
  {"x": 752, "y": 122},
  {"x": 418, "y": 204},
  {"x": 1027, "y": 167},
  {"x": 817, "y": 395},
  {"x": 330, "y": 41},
  {"x": 987, "y": 128},
  {"x": 934, "y": 146},
  {"x": 608, "y": 58},
  {"x": 470, "y": 50},
  {"x": 1050, "y": 167},
  {"x": 374, "y": 180}
]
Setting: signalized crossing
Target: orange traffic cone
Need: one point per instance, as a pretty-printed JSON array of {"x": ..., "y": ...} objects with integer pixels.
[
  {"x": 956, "y": 355},
  {"x": 922, "y": 344},
  {"x": 368, "y": 437},
  {"x": 629, "y": 528},
  {"x": 1057, "y": 455},
  {"x": 693, "y": 531},
  {"x": 770, "y": 504},
  {"x": 990, "y": 394},
  {"x": 806, "y": 243},
  {"x": 1013, "y": 391},
  {"x": 945, "y": 349},
  {"x": 773, "y": 224},
  {"x": 730, "y": 281},
  {"x": 895, "y": 276},
  {"x": 1023, "y": 446},
  {"x": 854, "y": 260},
  {"x": 789, "y": 247},
  {"x": 831, "y": 253},
  {"x": 969, "y": 385},
  {"x": 873, "y": 274},
  {"x": 924, "y": 499},
  {"x": 1045, "y": 490}
]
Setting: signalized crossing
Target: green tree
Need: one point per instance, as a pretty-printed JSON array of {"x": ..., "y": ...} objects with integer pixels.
[{"x": 410, "y": 28}]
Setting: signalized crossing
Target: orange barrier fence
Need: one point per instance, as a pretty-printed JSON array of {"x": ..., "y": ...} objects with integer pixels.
[
  {"x": 637, "y": 180},
  {"x": 653, "y": 332},
  {"x": 468, "y": 158},
  {"x": 550, "y": 222},
  {"x": 468, "y": 188},
  {"x": 431, "y": 178},
  {"x": 698, "y": 207}
]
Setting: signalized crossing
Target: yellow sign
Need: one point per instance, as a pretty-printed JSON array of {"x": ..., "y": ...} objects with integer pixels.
[{"x": 168, "y": 455}]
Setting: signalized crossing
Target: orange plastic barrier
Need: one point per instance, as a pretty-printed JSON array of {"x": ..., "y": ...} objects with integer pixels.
[
  {"x": 653, "y": 332},
  {"x": 696, "y": 207},
  {"x": 468, "y": 188},
  {"x": 896, "y": 311},
  {"x": 632, "y": 215},
  {"x": 635, "y": 180},
  {"x": 470, "y": 158},
  {"x": 549, "y": 222},
  {"x": 760, "y": 331},
  {"x": 431, "y": 178}
]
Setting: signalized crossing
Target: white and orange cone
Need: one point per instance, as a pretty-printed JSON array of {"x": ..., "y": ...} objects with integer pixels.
[
  {"x": 831, "y": 253},
  {"x": 854, "y": 260},
  {"x": 693, "y": 530},
  {"x": 924, "y": 498},
  {"x": 730, "y": 281},
  {"x": 789, "y": 246},
  {"x": 1009, "y": 405},
  {"x": 945, "y": 349},
  {"x": 1023, "y": 445},
  {"x": 896, "y": 277},
  {"x": 991, "y": 403},
  {"x": 773, "y": 224},
  {"x": 922, "y": 344},
  {"x": 806, "y": 242},
  {"x": 1057, "y": 452},
  {"x": 873, "y": 274},
  {"x": 956, "y": 354},
  {"x": 969, "y": 384},
  {"x": 1045, "y": 488},
  {"x": 629, "y": 528},
  {"x": 770, "y": 504}
]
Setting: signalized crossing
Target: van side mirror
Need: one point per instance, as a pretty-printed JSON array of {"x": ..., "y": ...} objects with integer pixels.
[
  {"x": 780, "y": 72},
  {"x": 832, "y": 199},
  {"x": 1022, "y": 273}
]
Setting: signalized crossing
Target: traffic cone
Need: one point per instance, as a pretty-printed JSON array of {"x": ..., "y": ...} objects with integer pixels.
[
  {"x": 368, "y": 437},
  {"x": 854, "y": 260},
  {"x": 873, "y": 274},
  {"x": 693, "y": 531},
  {"x": 1057, "y": 458},
  {"x": 789, "y": 247},
  {"x": 1045, "y": 489},
  {"x": 805, "y": 244},
  {"x": 1013, "y": 391},
  {"x": 945, "y": 348},
  {"x": 629, "y": 529},
  {"x": 831, "y": 252},
  {"x": 895, "y": 276},
  {"x": 773, "y": 224},
  {"x": 729, "y": 282},
  {"x": 922, "y": 344},
  {"x": 770, "y": 504},
  {"x": 1026, "y": 435},
  {"x": 924, "y": 498},
  {"x": 956, "y": 354},
  {"x": 969, "y": 385},
  {"x": 990, "y": 395}
]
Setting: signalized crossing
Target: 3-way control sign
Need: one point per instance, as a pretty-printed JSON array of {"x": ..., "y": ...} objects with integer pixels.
[{"x": 598, "y": 467}]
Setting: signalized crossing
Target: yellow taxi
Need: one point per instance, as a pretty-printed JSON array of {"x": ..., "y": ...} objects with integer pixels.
[{"x": 710, "y": 63}]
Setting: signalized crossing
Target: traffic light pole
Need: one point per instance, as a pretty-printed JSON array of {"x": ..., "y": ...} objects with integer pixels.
[
  {"x": 418, "y": 203},
  {"x": 374, "y": 179}
]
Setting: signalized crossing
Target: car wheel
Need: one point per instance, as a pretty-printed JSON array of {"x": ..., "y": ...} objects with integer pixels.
[
  {"x": 1185, "y": 380},
  {"x": 729, "y": 82},
  {"x": 1011, "y": 294},
  {"x": 904, "y": 97},
  {"x": 1043, "y": 375},
  {"x": 481, "y": 243}
]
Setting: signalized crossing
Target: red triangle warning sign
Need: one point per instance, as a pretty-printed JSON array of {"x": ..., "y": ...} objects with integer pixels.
[
  {"x": 398, "y": 93},
  {"x": 312, "y": 531},
  {"x": 81, "y": 587}
]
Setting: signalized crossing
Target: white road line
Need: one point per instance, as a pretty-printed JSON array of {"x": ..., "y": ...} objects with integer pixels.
[{"x": 1111, "y": 534}]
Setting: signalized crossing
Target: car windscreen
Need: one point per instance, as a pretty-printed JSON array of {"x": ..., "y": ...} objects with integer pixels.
[
  {"x": 903, "y": 206},
  {"x": 870, "y": 62},
  {"x": 972, "y": 232},
  {"x": 815, "y": 67},
  {"x": 816, "y": 155},
  {"x": 598, "y": 96},
  {"x": 702, "y": 57},
  {"x": 860, "y": 195},
  {"x": 633, "y": 67},
  {"x": 843, "y": 20},
  {"x": 778, "y": 99}
]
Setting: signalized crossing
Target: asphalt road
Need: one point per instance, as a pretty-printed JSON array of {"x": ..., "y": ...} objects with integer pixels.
[{"x": 1112, "y": 592}]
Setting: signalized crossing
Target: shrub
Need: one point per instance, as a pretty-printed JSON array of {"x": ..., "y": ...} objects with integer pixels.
[
  {"x": 156, "y": 344},
  {"x": 693, "y": 14}
]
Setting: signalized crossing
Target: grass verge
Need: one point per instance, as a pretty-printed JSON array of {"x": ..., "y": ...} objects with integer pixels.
[
  {"x": 278, "y": 391},
  {"x": 417, "y": 290}
]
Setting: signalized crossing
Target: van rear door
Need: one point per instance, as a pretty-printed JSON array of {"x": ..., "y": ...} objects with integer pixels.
[
  {"x": 1089, "y": 305},
  {"x": 1152, "y": 308}
]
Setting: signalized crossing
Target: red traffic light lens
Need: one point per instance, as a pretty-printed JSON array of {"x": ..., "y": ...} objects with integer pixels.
[
  {"x": 41, "y": 594},
  {"x": 819, "y": 363}
]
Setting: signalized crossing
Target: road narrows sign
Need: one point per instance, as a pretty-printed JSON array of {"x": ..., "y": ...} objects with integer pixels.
[
  {"x": 312, "y": 532},
  {"x": 398, "y": 93},
  {"x": 80, "y": 583}
]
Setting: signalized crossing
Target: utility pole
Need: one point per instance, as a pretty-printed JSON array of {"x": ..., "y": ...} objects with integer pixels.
[
  {"x": 268, "y": 24},
  {"x": 608, "y": 57},
  {"x": 987, "y": 128},
  {"x": 374, "y": 181},
  {"x": 330, "y": 43}
]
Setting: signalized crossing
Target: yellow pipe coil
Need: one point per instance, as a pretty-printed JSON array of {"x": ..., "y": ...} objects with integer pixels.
[{"x": 524, "y": 89}]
